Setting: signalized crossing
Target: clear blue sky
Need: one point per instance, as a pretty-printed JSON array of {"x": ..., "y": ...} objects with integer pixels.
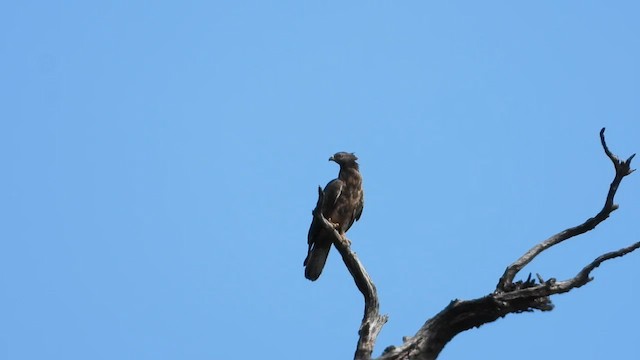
[{"x": 160, "y": 163}]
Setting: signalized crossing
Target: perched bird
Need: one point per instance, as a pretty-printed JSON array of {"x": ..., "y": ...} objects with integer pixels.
[{"x": 342, "y": 205}]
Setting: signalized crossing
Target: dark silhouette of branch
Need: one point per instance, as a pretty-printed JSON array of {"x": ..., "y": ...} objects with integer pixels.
[
  {"x": 372, "y": 322},
  {"x": 509, "y": 296},
  {"x": 623, "y": 168}
]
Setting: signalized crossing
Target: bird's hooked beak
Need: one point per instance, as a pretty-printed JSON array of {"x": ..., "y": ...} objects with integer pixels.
[{"x": 332, "y": 159}]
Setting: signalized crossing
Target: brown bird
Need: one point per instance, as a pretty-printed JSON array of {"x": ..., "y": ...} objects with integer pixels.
[{"x": 342, "y": 205}]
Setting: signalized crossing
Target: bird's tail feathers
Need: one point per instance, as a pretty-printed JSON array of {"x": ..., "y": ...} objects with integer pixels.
[{"x": 314, "y": 263}]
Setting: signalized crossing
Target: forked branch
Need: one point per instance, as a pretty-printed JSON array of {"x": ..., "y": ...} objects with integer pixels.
[
  {"x": 623, "y": 168},
  {"x": 509, "y": 296}
]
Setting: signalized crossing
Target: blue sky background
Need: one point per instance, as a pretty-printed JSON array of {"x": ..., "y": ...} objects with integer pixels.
[{"x": 160, "y": 163}]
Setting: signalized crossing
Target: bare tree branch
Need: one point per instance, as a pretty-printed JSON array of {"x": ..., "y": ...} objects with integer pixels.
[
  {"x": 623, "y": 168},
  {"x": 552, "y": 287},
  {"x": 460, "y": 315},
  {"x": 583, "y": 278},
  {"x": 509, "y": 296},
  {"x": 372, "y": 322}
]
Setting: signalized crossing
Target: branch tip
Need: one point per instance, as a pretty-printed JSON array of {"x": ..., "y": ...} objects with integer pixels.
[{"x": 606, "y": 148}]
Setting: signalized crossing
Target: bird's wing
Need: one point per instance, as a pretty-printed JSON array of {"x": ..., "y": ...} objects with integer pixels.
[
  {"x": 332, "y": 192},
  {"x": 360, "y": 206}
]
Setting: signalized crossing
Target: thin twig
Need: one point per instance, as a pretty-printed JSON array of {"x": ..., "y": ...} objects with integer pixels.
[{"x": 583, "y": 278}]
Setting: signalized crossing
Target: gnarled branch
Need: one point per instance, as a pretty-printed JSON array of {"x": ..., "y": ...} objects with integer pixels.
[
  {"x": 623, "y": 168},
  {"x": 509, "y": 296},
  {"x": 372, "y": 321}
]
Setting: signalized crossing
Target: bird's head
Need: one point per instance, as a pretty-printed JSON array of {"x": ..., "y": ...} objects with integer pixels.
[{"x": 344, "y": 159}]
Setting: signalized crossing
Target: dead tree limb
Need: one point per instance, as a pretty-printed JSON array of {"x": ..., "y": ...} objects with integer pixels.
[
  {"x": 509, "y": 296},
  {"x": 623, "y": 168},
  {"x": 372, "y": 321}
]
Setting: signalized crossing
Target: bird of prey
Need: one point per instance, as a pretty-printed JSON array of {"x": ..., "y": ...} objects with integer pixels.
[{"x": 342, "y": 205}]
